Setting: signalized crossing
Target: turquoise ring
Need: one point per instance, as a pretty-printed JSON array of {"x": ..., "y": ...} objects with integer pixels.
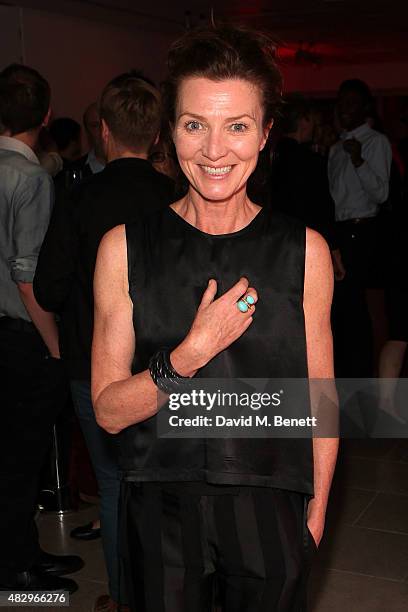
[
  {"x": 246, "y": 303},
  {"x": 242, "y": 306}
]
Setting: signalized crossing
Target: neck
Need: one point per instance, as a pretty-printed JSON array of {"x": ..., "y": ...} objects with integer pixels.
[
  {"x": 112, "y": 155},
  {"x": 217, "y": 217},
  {"x": 99, "y": 156},
  {"x": 29, "y": 138},
  {"x": 115, "y": 150}
]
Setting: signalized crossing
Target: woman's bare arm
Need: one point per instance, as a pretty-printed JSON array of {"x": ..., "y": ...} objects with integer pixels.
[
  {"x": 318, "y": 293},
  {"x": 121, "y": 399},
  {"x": 115, "y": 392}
]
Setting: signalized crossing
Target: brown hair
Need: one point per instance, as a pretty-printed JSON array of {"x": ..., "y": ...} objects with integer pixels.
[
  {"x": 225, "y": 52},
  {"x": 24, "y": 99},
  {"x": 131, "y": 108}
]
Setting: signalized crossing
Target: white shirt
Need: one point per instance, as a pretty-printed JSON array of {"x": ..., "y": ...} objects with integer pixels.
[
  {"x": 94, "y": 164},
  {"x": 17, "y": 146},
  {"x": 358, "y": 192}
]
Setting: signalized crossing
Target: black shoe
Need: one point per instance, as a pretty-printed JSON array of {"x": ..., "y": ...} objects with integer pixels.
[
  {"x": 58, "y": 565},
  {"x": 33, "y": 580},
  {"x": 86, "y": 532}
]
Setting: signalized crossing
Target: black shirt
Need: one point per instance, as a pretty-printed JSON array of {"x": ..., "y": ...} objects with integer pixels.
[
  {"x": 170, "y": 263},
  {"x": 124, "y": 191}
]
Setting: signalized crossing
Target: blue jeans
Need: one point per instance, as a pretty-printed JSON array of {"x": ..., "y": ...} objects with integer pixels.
[{"x": 103, "y": 451}]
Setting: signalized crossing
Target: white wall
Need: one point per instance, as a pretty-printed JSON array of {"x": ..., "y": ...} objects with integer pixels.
[
  {"x": 10, "y": 41},
  {"x": 78, "y": 56}
]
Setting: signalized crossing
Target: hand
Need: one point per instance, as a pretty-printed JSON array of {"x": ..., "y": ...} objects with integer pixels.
[
  {"x": 315, "y": 521},
  {"x": 218, "y": 323},
  {"x": 352, "y": 146},
  {"x": 338, "y": 267}
]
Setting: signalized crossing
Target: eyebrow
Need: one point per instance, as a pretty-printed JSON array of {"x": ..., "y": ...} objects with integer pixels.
[{"x": 228, "y": 118}]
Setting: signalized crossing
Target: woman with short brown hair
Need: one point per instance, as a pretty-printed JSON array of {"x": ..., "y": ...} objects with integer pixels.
[{"x": 231, "y": 290}]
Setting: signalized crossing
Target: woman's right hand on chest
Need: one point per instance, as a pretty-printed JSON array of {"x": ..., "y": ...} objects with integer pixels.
[{"x": 217, "y": 324}]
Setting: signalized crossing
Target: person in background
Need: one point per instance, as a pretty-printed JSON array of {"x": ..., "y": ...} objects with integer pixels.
[
  {"x": 95, "y": 158},
  {"x": 33, "y": 387},
  {"x": 299, "y": 185},
  {"x": 92, "y": 162},
  {"x": 359, "y": 175},
  {"x": 74, "y": 456},
  {"x": 66, "y": 133},
  {"x": 127, "y": 189}
]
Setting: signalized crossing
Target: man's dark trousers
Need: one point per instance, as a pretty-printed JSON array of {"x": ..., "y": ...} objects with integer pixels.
[{"x": 32, "y": 391}]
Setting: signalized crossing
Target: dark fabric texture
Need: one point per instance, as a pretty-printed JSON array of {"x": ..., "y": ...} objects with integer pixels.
[
  {"x": 395, "y": 258},
  {"x": 170, "y": 263},
  {"x": 358, "y": 243},
  {"x": 299, "y": 187},
  {"x": 60, "y": 180},
  {"x": 33, "y": 389},
  {"x": 123, "y": 192},
  {"x": 352, "y": 326},
  {"x": 247, "y": 551}
]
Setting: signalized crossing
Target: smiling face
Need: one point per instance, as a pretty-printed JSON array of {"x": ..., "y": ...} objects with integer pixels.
[{"x": 218, "y": 134}]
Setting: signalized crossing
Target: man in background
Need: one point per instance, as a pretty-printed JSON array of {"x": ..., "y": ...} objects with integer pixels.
[
  {"x": 76, "y": 169},
  {"x": 128, "y": 187},
  {"x": 94, "y": 160},
  {"x": 66, "y": 133},
  {"x": 359, "y": 175},
  {"x": 32, "y": 385}
]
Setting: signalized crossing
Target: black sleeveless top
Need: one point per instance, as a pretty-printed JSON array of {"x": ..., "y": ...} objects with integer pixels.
[{"x": 170, "y": 263}]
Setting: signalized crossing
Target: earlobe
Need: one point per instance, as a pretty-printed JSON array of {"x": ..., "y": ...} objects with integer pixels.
[
  {"x": 266, "y": 135},
  {"x": 47, "y": 118},
  {"x": 104, "y": 130}
]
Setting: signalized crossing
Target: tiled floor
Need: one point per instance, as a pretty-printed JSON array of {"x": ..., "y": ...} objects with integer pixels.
[
  {"x": 362, "y": 565},
  {"x": 363, "y": 560}
]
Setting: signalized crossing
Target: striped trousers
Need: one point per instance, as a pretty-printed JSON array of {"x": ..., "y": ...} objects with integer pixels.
[{"x": 235, "y": 549}]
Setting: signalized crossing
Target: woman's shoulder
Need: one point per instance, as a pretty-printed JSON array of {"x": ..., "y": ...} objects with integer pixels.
[{"x": 317, "y": 250}]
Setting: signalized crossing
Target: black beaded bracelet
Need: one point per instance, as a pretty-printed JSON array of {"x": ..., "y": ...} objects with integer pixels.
[{"x": 164, "y": 375}]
